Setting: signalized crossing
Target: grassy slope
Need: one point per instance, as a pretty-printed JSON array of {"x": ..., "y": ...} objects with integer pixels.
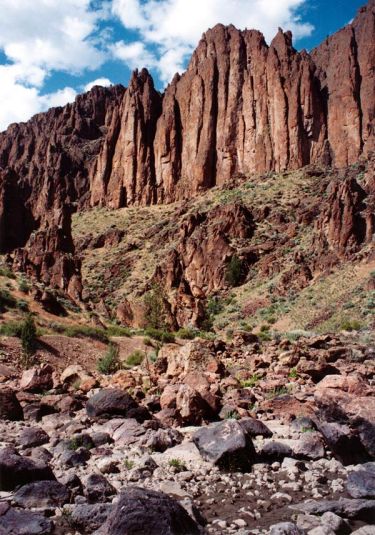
[{"x": 329, "y": 301}]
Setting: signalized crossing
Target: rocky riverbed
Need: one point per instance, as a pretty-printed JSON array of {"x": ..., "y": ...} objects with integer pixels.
[{"x": 213, "y": 437}]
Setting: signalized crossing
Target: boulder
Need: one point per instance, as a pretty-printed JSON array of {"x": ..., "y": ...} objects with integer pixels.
[
  {"x": 150, "y": 513},
  {"x": 361, "y": 481},
  {"x": 349, "y": 508},
  {"x": 31, "y": 437},
  {"x": 285, "y": 528},
  {"x": 10, "y": 408},
  {"x": 309, "y": 446},
  {"x": 111, "y": 403},
  {"x": 226, "y": 444},
  {"x": 345, "y": 445},
  {"x": 98, "y": 489},
  {"x": 15, "y": 522},
  {"x": 37, "y": 379},
  {"x": 17, "y": 470},
  {"x": 253, "y": 428},
  {"x": 89, "y": 517},
  {"x": 42, "y": 494}
]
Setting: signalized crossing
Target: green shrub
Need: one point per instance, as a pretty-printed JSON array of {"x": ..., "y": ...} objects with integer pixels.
[
  {"x": 6, "y": 300},
  {"x": 293, "y": 374},
  {"x": 110, "y": 362},
  {"x": 23, "y": 305},
  {"x": 214, "y": 306},
  {"x": 185, "y": 333},
  {"x": 350, "y": 325},
  {"x": 135, "y": 358},
  {"x": 155, "y": 308},
  {"x": 5, "y": 271},
  {"x": 177, "y": 464},
  {"x": 23, "y": 286},
  {"x": 82, "y": 331},
  {"x": 80, "y": 441},
  {"x": 249, "y": 383},
  {"x": 28, "y": 335},
  {"x": 118, "y": 330},
  {"x": 233, "y": 274},
  {"x": 128, "y": 464},
  {"x": 13, "y": 328},
  {"x": 160, "y": 335}
]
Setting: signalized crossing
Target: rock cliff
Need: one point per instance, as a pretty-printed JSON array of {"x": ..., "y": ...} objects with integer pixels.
[{"x": 242, "y": 107}]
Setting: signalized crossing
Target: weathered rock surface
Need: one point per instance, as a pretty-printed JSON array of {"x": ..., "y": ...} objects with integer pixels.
[
  {"x": 151, "y": 513},
  {"x": 110, "y": 403},
  {"x": 18, "y": 470},
  {"x": 10, "y": 408}
]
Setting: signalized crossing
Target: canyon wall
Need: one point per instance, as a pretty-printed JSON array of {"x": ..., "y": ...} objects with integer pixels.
[{"x": 241, "y": 107}]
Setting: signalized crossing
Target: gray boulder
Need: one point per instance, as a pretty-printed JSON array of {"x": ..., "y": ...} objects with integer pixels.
[
  {"x": 42, "y": 494},
  {"x": 16, "y": 470},
  {"x": 226, "y": 444},
  {"x": 361, "y": 482},
  {"x": 113, "y": 402},
  {"x": 14, "y": 522},
  {"x": 146, "y": 512},
  {"x": 31, "y": 437}
]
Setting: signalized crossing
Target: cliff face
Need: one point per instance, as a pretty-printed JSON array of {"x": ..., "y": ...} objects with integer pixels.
[{"x": 241, "y": 107}]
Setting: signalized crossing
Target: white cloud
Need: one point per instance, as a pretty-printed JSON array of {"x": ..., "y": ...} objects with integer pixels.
[
  {"x": 19, "y": 102},
  {"x": 38, "y": 37},
  {"x": 175, "y": 26},
  {"x": 103, "y": 82},
  {"x": 135, "y": 54}
]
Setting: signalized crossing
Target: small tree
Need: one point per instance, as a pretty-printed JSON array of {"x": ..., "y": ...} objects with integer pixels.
[
  {"x": 233, "y": 273},
  {"x": 28, "y": 336},
  {"x": 155, "y": 309}
]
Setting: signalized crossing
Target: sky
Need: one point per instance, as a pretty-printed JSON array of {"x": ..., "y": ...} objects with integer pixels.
[{"x": 51, "y": 50}]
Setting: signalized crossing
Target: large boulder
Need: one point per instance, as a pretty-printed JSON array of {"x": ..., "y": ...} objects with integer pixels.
[
  {"x": 31, "y": 437},
  {"x": 349, "y": 402},
  {"x": 37, "y": 379},
  {"x": 13, "y": 522},
  {"x": 42, "y": 494},
  {"x": 98, "y": 488},
  {"x": 10, "y": 408},
  {"x": 89, "y": 517},
  {"x": 146, "y": 512},
  {"x": 226, "y": 444},
  {"x": 113, "y": 402},
  {"x": 361, "y": 481},
  {"x": 16, "y": 470},
  {"x": 345, "y": 445}
]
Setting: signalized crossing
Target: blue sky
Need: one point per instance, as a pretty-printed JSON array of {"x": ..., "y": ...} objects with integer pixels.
[{"x": 51, "y": 50}]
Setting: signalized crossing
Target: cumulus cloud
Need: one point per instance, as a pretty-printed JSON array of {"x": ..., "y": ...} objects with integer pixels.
[
  {"x": 103, "y": 82},
  {"x": 38, "y": 37},
  {"x": 174, "y": 27},
  {"x": 18, "y": 102}
]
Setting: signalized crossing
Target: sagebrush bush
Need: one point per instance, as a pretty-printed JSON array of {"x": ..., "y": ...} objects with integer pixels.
[
  {"x": 28, "y": 335},
  {"x": 110, "y": 362},
  {"x": 233, "y": 274},
  {"x": 135, "y": 358},
  {"x": 160, "y": 335}
]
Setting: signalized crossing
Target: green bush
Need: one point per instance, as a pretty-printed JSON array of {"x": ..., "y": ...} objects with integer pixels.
[
  {"x": 82, "y": 331},
  {"x": 5, "y": 271},
  {"x": 118, "y": 330},
  {"x": 350, "y": 325},
  {"x": 233, "y": 274},
  {"x": 214, "y": 306},
  {"x": 135, "y": 358},
  {"x": 110, "y": 362},
  {"x": 185, "y": 333},
  {"x": 23, "y": 286},
  {"x": 28, "y": 335},
  {"x": 162, "y": 336},
  {"x": 23, "y": 305},
  {"x": 155, "y": 308},
  {"x": 6, "y": 300},
  {"x": 13, "y": 328}
]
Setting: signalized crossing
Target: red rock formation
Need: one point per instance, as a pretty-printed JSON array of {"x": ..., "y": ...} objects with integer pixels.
[
  {"x": 241, "y": 107},
  {"x": 197, "y": 266},
  {"x": 45, "y": 169}
]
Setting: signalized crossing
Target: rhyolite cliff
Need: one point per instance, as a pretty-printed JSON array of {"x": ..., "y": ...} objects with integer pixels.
[{"x": 242, "y": 107}]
